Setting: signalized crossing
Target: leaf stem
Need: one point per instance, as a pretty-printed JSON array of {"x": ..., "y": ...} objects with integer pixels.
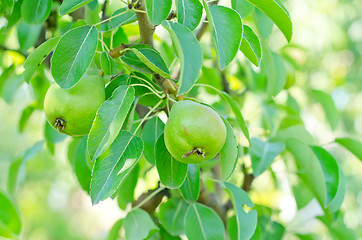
[
  {"x": 149, "y": 197},
  {"x": 144, "y": 85},
  {"x": 106, "y": 20}
]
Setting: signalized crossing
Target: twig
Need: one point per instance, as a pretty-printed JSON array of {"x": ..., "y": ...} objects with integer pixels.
[
  {"x": 104, "y": 15},
  {"x": 248, "y": 179},
  {"x": 146, "y": 27}
]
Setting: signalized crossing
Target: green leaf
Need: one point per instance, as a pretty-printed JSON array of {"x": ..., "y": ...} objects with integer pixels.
[
  {"x": 114, "y": 165},
  {"x": 275, "y": 70},
  {"x": 351, "y": 145},
  {"x": 9, "y": 87},
  {"x": 108, "y": 65},
  {"x": 158, "y": 10},
  {"x": 243, "y": 7},
  {"x": 139, "y": 225},
  {"x": 28, "y": 35},
  {"x": 79, "y": 159},
  {"x": 337, "y": 201},
  {"x": 189, "y": 52},
  {"x": 73, "y": 55},
  {"x": 109, "y": 120},
  {"x": 189, "y": 13},
  {"x": 229, "y": 153},
  {"x": 251, "y": 46},
  {"x": 15, "y": 16},
  {"x": 150, "y": 133},
  {"x": 277, "y": 13},
  {"x": 114, "y": 232},
  {"x": 69, "y": 6},
  {"x": 35, "y": 11},
  {"x": 10, "y": 222},
  {"x": 18, "y": 166},
  {"x": 172, "y": 214},
  {"x": 6, "y": 7},
  {"x": 246, "y": 219},
  {"x": 27, "y": 112},
  {"x": 263, "y": 153},
  {"x": 227, "y": 39},
  {"x": 190, "y": 189},
  {"x": 202, "y": 223},
  {"x": 296, "y": 132},
  {"x": 172, "y": 172},
  {"x": 125, "y": 16},
  {"x": 330, "y": 109},
  {"x": 310, "y": 169},
  {"x": 331, "y": 172},
  {"x": 125, "y": 193},
  {"x": 146, "y": 59},
  {"x": 268, "y": 229},
  {"x": 52, "y": 135}
]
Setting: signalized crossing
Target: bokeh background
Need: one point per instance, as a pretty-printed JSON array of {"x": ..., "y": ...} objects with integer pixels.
[{"x": 327, "y": 49}]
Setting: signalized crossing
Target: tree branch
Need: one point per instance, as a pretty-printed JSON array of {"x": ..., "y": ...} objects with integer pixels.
[{"x": 145, "y": 26}]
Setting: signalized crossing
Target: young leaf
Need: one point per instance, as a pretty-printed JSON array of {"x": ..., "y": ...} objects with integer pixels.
[
  {"x": 263, "y": 153},
  {"x": 172, "y": 172},
  {"x": 330, "y": 109},
  {"x": 109, "y": 120},
  {"x": 78, "y": 158},
  {"x": 190, "y": 189},
  {"x": 331, "y": 172},
  {"x": 243, "y": 7},
  {"x": 227, "y": 39},
  {"x": 251, "y": 46},
  {"x": 9, "y": 217},
  {"x": 202, "y": 223},
  {"x": 311, "y": 171},
  {"x": 150, "y": 133},
  {"x": 351, "y": 145},
  {"x": 277, "y": 13},
  {"x": 229, "y": 153},
  {"x": 189, "y": 52},
  {"x": 35, "y": 11},
  {"x": 189, "y": 13},
  {"x": 108, "y": 65},
  {"x": 125, "y": 193},
  {"x": 125, "y": 16},
  {"x": 139, "y": 225},
  {"x": 73, "y": 55},
  {"x": 246, "y": 220},
  {"x": 172, "y": 214},
  {"x": 69, "y": 6},
  {"x": 114, "y": 165},
  {"x": 158, "y": 10}
]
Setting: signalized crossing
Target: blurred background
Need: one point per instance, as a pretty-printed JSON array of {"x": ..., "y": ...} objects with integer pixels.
[{"x": 326, "y": 48}]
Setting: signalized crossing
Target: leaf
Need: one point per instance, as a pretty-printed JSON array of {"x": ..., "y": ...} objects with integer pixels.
[
  {"x": 69, "y": 6},
  {"x": 28, "y": 35},
  {"x": 114, "y": 232},
  {"x": 10, "y": 222},
  {"x": 18, "y": 166},
  {"x": 330, "y": 109},
  {"x": 108, "y": 65},
  {"x": 246, "y": 219},
  {"x": 352, "y": 145},
  {"x": 202, "y": 223},
  {"x": 331, "y": 172},
  {"x": 125, "y": 16},
  {"x": 114, "y": 165},
  {"x": 229, "y": 153},
  {"x": 78, "y": 158},
  {"x": 263, "y": 153},
  {"x": 150, "y": 133},
  {"x": 310, "y": 169},
  {"x": 251, "y": 46},
  {"x": 52, "y": 135},
  {"x": 227, "y": 39},
  {"x": 125, "y": 193},
  {"x": 109, "y": 120},
  {"x": 189, "y": 52},
  {"x": 73, "y": 55},
  {"x": 275, "y": 70},
  {"x": 337, "y": 201},
  {"x": 295, "y": 132},
  {"x": 146, "y": 59},
  {"x": 35, "y": 11},
  {"x": 27, "y": 112},
  {"x": 243, "y": 7},
  {"x": 172, "y": 214},
  {"x": 277, "y": 13},
  {"x": 6, "y": 7},
  {"x": 172, "y": 172},
  {"x": 158, "y": 10},
  {"x": 189, "y": 13},
  {"x": 190, "y": 189},
  {"x": 268, "y": 229},
  {"x": 139, "y": 225}
]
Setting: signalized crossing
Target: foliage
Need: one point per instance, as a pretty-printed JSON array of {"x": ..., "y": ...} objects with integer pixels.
[{"x": 151, "y": 54}]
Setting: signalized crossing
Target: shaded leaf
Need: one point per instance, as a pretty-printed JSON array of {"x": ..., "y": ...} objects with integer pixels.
[
  {"x": 35, "y": 11},
  {"x": 108, "y": 65},
  {"x": 190, "y": 189},
  {"x": 28, "y": 35},
  {"x": 268, "y": 229},
  {"x": 172, "y": 214},
  {"x": 125, "y": 193},
  {"x": 150, "y": 133}
]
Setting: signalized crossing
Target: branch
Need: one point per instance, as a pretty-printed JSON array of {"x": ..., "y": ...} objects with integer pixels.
[
  {"x": 146, "y": 27},
  {"x": 153, "y": 202},
  {"x": 104, "y": 16},
  {"x": 248, "y": 179}
]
